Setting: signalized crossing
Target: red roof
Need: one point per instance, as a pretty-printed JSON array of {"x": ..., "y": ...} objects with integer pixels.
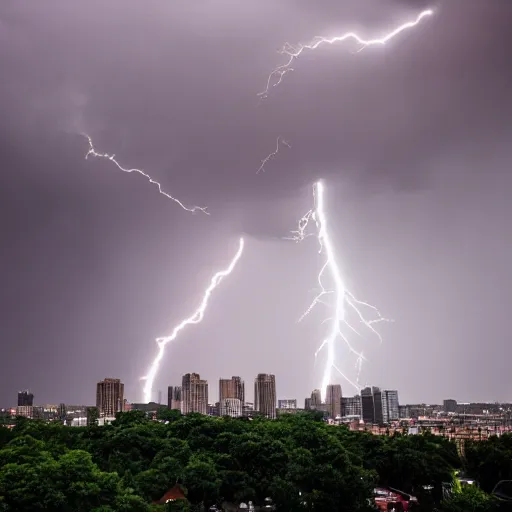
[{"x": 176, "y": 493}]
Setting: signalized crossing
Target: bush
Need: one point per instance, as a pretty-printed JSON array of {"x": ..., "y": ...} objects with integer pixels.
[{"x": 470, "y": 499}]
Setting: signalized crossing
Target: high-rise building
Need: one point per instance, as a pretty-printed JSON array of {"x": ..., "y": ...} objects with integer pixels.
[
  {"x": 390, "y": 406},
  {"x": 265, "y": 395},
  {"x": 351, "y": 406},
  {"x": 372, "y": 405},
  {"x": 174, "y": 397},
  {"x": 194, "y": 394},
  {"x": 230, "y": 407},
  {"x": 404, "y": 412},
  {"x": 25, "y": 398},
  {"x": 316, "y": 398},
  {"x": 449, "y": 405},
  {"x": 232, "y": 388},
  {"x": 109, "y": 397},
  {"x": 314, "y": 403},
  {"x": 287, "y": 404},
  {"x": 333, "y": 400},
  {"x": 367, "y": 405},
  {"x": 25, "y": 410},
  {"x": 378, "y": 406},
  {"x": 62, "y": 412}
]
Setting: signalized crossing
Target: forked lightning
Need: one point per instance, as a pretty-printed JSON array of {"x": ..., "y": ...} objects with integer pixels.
[
  {"x": 112, "y": 158},
  {"x": 198, "y": 314},
  {"x": 274, "y": 153},
  {"x": 344, "y": 302},
  {"x": 340, "y": 326},
  {"x": 293, "y": 53},
  {"x": 194, "y": 318}
]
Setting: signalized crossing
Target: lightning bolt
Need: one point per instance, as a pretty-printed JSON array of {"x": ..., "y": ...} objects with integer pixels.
[
  {"x": 112, "y": 158},
  {"x": 195, "y": 318},
  {"x": 273, "y": 154},
  {"x": 340, "y": 325},
  {"x": 293, "y": 53}
]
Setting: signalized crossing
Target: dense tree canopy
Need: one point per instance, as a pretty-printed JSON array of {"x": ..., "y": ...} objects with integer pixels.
[
  {"x": 298, "y": 461},
  {"x": 490, "y": 461},
  {"x": 470, "y": 499}
]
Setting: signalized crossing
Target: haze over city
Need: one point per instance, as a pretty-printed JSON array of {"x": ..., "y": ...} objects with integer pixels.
[{"x": 410, "y": 139}]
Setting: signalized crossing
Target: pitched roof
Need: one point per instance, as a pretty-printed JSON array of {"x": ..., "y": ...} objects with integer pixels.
[{"x": 176, "y": 493}]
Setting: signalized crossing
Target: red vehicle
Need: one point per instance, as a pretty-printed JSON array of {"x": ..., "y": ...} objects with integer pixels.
[{"x": 388, "y": 499}]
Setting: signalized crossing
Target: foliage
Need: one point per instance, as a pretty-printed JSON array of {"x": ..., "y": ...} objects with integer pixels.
[
  {"x": 469, "y": 499},
  {"x": 166, "y": 414},
  {"x": 299, "y": 461},
  {"x": 92, "y": 416},
  {"x": 490, "y": 461},
  {"x": 32, "y": 479}
]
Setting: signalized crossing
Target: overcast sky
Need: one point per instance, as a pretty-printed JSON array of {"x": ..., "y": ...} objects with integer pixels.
[{"x": 411, "y": 140}]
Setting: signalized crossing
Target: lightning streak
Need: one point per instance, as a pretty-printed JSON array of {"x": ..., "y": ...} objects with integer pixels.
[
  {"x": 293, "y": 53},
  {"x": 195, "y": 318},
  {"x": 344, "y": 301},
  {"x": 273, "y": 154},
  {"x": 112, "y": 158}
]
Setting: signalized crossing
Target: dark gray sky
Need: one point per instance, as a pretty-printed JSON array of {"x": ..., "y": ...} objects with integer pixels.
[{"x": 411, "y": 139}]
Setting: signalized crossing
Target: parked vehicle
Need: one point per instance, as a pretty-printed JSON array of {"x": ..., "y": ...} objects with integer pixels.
[
  {"x": 503, "y": 492},
  {"x": 388, "y": 499}
]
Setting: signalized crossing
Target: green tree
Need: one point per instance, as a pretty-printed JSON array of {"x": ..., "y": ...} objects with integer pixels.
[
  {"x": 166, "y": 414},
  {"x": 298, "y": 460},
  {"x": 130, "y": 418},
  {"x": 128, "y": 502},
  {"x": 151, "y": 484},
  {"x": 469, "y": 499},
  {"x": 490, "y": 461},
  {"x": 202, "y": 481},
  {"x": 177, "y": 506},
  {"x": 21, "y": 450},
  {"x": 92, "y": 416},
  {"x": 70, "y": 483}
]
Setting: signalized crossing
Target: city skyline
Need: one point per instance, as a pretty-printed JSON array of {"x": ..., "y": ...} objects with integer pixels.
[
  {"x": 372, "y": 410},
  {"x": 410, "y": 139},
  {"x": 213, "y": 392},
  {"x": 192, "y": 396},
  {"x": 382, "y": 414},
  {"x": 236, "y": 388},
  {"x": 195, "y": 392}
]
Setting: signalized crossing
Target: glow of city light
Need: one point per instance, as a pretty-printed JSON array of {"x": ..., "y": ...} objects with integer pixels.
[
  {"x": 93, "y": 152},
  {"x": 340, "y": 326},
  {"x": 195, "y": 318},
  {"x": 294, "y": 52}
]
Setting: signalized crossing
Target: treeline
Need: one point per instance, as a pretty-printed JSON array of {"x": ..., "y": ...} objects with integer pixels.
[{"x": 297, "y": 460}]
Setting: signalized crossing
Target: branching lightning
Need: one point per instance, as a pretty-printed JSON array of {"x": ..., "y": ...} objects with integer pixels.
[
  {"x": 198, "y": 314},
  {"x": 112, "y": 158},
  {"x": 337, "y": 296},
  {"x": 272, "y": 155},
  {"x": 294, "y": 52},
  {"x": 344, "y": 301},
  {"x": 195, "y": 318}
]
